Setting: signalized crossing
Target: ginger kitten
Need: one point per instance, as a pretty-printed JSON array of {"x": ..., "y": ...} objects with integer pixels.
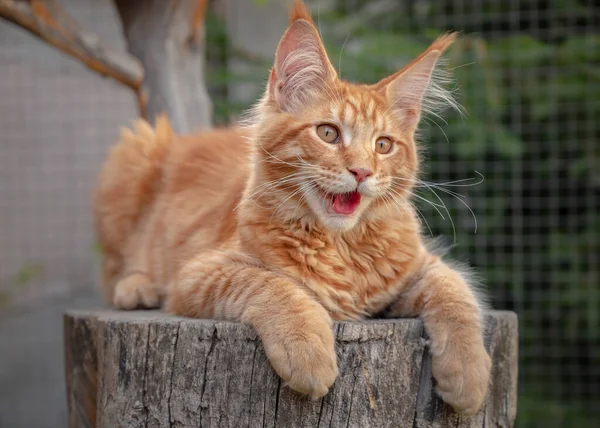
[{"x": 300, "y": 218}]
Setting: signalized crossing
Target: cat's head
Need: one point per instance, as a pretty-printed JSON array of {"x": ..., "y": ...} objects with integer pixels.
[{"x": 332, "y": 151}]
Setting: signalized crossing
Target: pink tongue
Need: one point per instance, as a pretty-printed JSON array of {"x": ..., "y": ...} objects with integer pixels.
[{"x": 346, "y": 203}]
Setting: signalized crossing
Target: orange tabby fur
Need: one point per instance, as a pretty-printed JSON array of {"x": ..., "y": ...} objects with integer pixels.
[{"x": 236, "y": 224}]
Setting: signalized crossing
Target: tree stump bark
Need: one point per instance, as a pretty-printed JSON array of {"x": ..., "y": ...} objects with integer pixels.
[{"x": 150, "y": 369}]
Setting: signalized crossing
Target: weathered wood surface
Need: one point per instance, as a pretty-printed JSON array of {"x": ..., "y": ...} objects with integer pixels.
[
  {"x": 168, "y": 38},
  {"x": 149, "y": 369}
]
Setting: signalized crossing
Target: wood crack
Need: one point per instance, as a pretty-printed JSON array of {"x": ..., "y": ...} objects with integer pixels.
[
  {"x": 213, "y": 343},
  {"x": 423, "y": 388},
  {"x": 338, "y": 333},
  {"x": 144, "y": 407},
  {"x": 351, "y": 401},
  {"x": 277, "y": 400},
  {"x": 252, "y": 382},
  {"x": 320, "y": 411},
  {"x": 484, "y": 415},
  {"x": 172, "y": 372}
]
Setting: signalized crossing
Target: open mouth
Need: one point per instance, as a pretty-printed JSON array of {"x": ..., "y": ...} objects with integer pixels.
[{"x": 345, "y": 203}]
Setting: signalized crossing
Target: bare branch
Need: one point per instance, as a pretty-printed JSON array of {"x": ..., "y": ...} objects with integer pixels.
[{"x": 48, "y": 21}]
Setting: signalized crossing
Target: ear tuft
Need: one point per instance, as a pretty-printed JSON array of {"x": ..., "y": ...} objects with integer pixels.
[
  {"x": 443, "y": 42},
  {"x": 301, "y": 70},
  {"x": 419, "y": 87},
  {"x": 299, "y": 11}
]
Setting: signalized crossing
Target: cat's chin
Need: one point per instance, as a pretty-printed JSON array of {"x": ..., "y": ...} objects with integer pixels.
[
  {"x": 339, "y": 223},
  {"x": 323, "y": 209}
]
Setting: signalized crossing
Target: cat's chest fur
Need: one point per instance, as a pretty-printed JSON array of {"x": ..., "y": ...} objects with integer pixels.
[{"x": 354, "y": 274}]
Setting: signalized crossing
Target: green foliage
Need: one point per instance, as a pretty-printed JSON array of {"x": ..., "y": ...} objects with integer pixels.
[
  {"x": 5, "y": 299},
  {"x": 27, "y": 274},
  {"x": 21, "y": 279},
  {"x": 537, "y": 411}
]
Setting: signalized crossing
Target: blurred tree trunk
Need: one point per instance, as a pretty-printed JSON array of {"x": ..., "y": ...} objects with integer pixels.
[{"x": 168, "y": 38}]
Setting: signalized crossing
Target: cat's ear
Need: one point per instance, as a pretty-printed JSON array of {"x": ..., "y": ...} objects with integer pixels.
[
  {"x": 412, "y": 90},
  {"x": 301, "y": 69}
]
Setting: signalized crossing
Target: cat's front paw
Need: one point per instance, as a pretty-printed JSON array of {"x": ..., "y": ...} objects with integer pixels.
[
  {"x": 462, "y": 372},
  {"x": 136, "y": 291},
  {"x": 306, "y": 366},
  {"x": 304, "y": 356}
]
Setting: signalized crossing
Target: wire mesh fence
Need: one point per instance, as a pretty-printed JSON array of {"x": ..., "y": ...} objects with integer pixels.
[{"x": 528, "y": 74}]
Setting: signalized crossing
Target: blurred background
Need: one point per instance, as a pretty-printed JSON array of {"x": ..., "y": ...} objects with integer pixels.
[{"x": 529, "y": 79}]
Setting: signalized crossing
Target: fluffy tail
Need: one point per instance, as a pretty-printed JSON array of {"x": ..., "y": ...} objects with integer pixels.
[{"x": 128, "y": 183}]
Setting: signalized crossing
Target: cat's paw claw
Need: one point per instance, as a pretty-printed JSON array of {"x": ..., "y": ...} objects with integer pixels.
[{"x": 462, "y": 377}]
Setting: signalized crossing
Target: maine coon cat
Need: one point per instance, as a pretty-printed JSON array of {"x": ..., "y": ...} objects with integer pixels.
[{"x": 299, "y": 218}]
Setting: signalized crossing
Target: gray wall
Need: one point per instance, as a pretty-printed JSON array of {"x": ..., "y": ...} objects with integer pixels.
[{"x": 57, "y": 120}]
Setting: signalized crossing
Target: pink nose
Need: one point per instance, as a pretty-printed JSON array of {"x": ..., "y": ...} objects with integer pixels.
[{"x": 360, "y": 174}]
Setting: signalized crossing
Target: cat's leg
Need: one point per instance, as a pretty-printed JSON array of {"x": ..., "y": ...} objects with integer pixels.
[
  {"x": 461, "y": 366},
  {"x": 136, "y": 287},
  {"x": 295, "y": 329}
]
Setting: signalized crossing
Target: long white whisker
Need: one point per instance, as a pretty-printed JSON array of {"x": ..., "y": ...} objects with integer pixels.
[
  {"x": 457, "y": 196},
  {"x": 445, "y": 207},
  {"x": 448, "y": 191},
  {"x": 453, "y": 183},
  {"x": 264, "y": 187},
  {"x": 291, "y": 195},
  {"x": 461, "y": 66},
  {"x": 419, "y": 213},
  {"x": 273, "y": 156},
  {"x": 295, "y": 165},
  {"x": 341, "y": 52},
  {"x": 307, "y": 189},
  {"x": 423, "y": 218},
  {"x": 428, "y": 120},
  {"x": 433, "y": 204},
  {"x": 439, "y": 117},
  {"x": 432, "y": 186},
  {"x": 386, "y": 201}
]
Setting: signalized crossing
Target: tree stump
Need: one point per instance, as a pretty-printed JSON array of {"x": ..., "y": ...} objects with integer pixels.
[{"x": 150, "y": 369}]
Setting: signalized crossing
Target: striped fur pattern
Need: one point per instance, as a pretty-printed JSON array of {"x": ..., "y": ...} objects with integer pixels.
[{"x": 241, "y": 223}]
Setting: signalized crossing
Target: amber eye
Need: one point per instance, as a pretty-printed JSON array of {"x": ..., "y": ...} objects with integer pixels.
[
  {"x": 328, "y": 133},
  {"x": 383, "y": 145}
]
